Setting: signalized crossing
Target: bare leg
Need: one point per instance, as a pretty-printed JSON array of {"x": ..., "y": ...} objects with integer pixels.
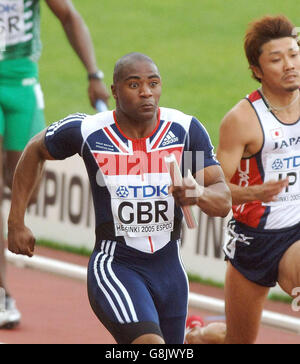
[
  {"x": 2, "y": 257},
  {"x": 2, "y": 241},
  {"x": 289, "y": 269},
  {"x": 244, "y": 305},
  {"x": 12, "y": 316},
  {"x": 8, "y": 163}
]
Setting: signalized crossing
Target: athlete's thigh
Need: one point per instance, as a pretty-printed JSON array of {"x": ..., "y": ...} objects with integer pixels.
[
  {"x": 2, "y": 122},
  {"x": 120, "y": 299},
  {"x": 22, "y": 119},
  {"x": 171, "y": 288},
  {"x": 2, "y": 130},
  {"x": 1, "y": 171},
  {"x": 244, "y": 302},
  {"x": 2, "y": 240},
  {"x": 289, "y": 269}
]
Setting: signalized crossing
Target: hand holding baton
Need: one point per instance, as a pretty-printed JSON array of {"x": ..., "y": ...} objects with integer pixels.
[{"x": 176, "y": 178}]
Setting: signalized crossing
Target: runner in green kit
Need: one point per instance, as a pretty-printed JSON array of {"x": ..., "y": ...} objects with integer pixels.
[{"x": 21, "y": 98}]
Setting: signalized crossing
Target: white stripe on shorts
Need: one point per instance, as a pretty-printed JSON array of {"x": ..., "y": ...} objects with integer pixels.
[
  {"x": 106, "y": 260},
  {"x": 121, "y": 286},
  {"x": 105, "y": 291}
]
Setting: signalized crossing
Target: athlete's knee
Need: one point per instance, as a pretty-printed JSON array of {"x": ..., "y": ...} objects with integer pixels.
[
  {"x": 10, "y": 162},
  {"x": 8, "y": 178},
  {"x": 149, "y": 339},
  {"x": 289, "y": 269},
  {"x": 1, "y": 191},
  {"x": 295, "y": 282},
  {"x": 296, "y": 277}
]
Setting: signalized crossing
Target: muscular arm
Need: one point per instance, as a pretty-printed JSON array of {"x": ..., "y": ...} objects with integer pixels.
[
  {"x": 214, "y": 199},
  {"x": 80, "y": 39},
  {"x": 241, "y": 136},
  {"x": 28, "y": 172}
]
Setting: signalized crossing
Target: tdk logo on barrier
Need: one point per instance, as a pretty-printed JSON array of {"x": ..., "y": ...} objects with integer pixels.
[
  {"x": 142, "y": 191},
  {"x": 291, "y": 162}
]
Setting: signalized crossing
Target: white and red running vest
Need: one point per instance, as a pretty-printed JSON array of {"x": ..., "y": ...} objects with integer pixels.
[{"x": 278, "y": 158}]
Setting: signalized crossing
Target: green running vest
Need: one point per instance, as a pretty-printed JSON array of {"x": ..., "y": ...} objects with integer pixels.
[{"x": 20, "y": 29}]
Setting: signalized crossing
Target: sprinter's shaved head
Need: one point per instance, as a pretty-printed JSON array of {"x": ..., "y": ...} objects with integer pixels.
[
  {"x": 137, "y": 90},
  {"x": 125, "y": 63}
]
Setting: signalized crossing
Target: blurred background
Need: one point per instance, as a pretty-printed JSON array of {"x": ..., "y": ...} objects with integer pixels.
[{"x": 197, "y": 45}]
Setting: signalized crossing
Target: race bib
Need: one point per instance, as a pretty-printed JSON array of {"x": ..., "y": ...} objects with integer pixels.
[
  {"x": 12, "y": 22},
  {"x": 282, "y": 166},
  {"x": 142, "y": 208}
]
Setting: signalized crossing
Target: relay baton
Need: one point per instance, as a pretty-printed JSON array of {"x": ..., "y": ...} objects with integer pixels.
[
  {"x": 100, "y": 106},
  {"x": 176, "y": 178}
]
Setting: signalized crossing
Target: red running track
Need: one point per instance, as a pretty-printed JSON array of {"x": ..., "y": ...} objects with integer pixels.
[{"x": 55, "y": 310}]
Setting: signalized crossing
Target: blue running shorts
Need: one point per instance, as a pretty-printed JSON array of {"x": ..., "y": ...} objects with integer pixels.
[
  {"x": 135, "y": 293},
  {"x": 257, "y": 254}
]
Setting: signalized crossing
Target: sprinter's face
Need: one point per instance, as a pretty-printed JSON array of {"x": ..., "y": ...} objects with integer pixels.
[
  {"x": 280, "y": 64},
  {"x": 138, "y": 91}
]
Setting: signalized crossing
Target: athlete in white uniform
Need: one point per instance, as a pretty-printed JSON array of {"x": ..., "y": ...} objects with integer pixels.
[
  {"x": 136, "y": 282},
  {"x": 278, "y": 159},
  {"x": 259, "y": 151}
]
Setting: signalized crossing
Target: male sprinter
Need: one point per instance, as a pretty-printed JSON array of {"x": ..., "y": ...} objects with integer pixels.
[
  {"x": 21, "y": 99},
  {"x": 259, "y": 151},
  {"x": 136, "y": 282}
]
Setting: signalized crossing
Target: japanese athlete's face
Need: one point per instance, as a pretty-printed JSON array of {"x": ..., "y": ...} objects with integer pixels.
[{"x": 280, "y": 64}]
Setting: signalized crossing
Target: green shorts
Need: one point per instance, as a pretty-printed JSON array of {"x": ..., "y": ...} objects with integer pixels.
[{"x": 21, "y": 103}]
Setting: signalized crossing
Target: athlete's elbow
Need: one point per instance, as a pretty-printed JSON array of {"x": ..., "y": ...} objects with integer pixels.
[
  {"x": 222, "y": 207},
  {"x": 217, "y": 211},
  {"x": 225, "y": 211},
  {"x": 217, "y": 205},
  {"x": 223, "y": 200}
]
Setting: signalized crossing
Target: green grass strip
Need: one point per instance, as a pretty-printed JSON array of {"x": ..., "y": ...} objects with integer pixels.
[
  {"x": 192, "y": 277},
  {"x": 64, "y": 247}
]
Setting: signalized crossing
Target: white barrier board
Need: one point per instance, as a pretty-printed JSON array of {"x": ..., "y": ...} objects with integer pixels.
[{"x": 64, "y": 214}]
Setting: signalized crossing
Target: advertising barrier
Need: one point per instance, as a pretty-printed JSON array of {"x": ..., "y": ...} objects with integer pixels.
[{"x": 64, "y": 214}]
